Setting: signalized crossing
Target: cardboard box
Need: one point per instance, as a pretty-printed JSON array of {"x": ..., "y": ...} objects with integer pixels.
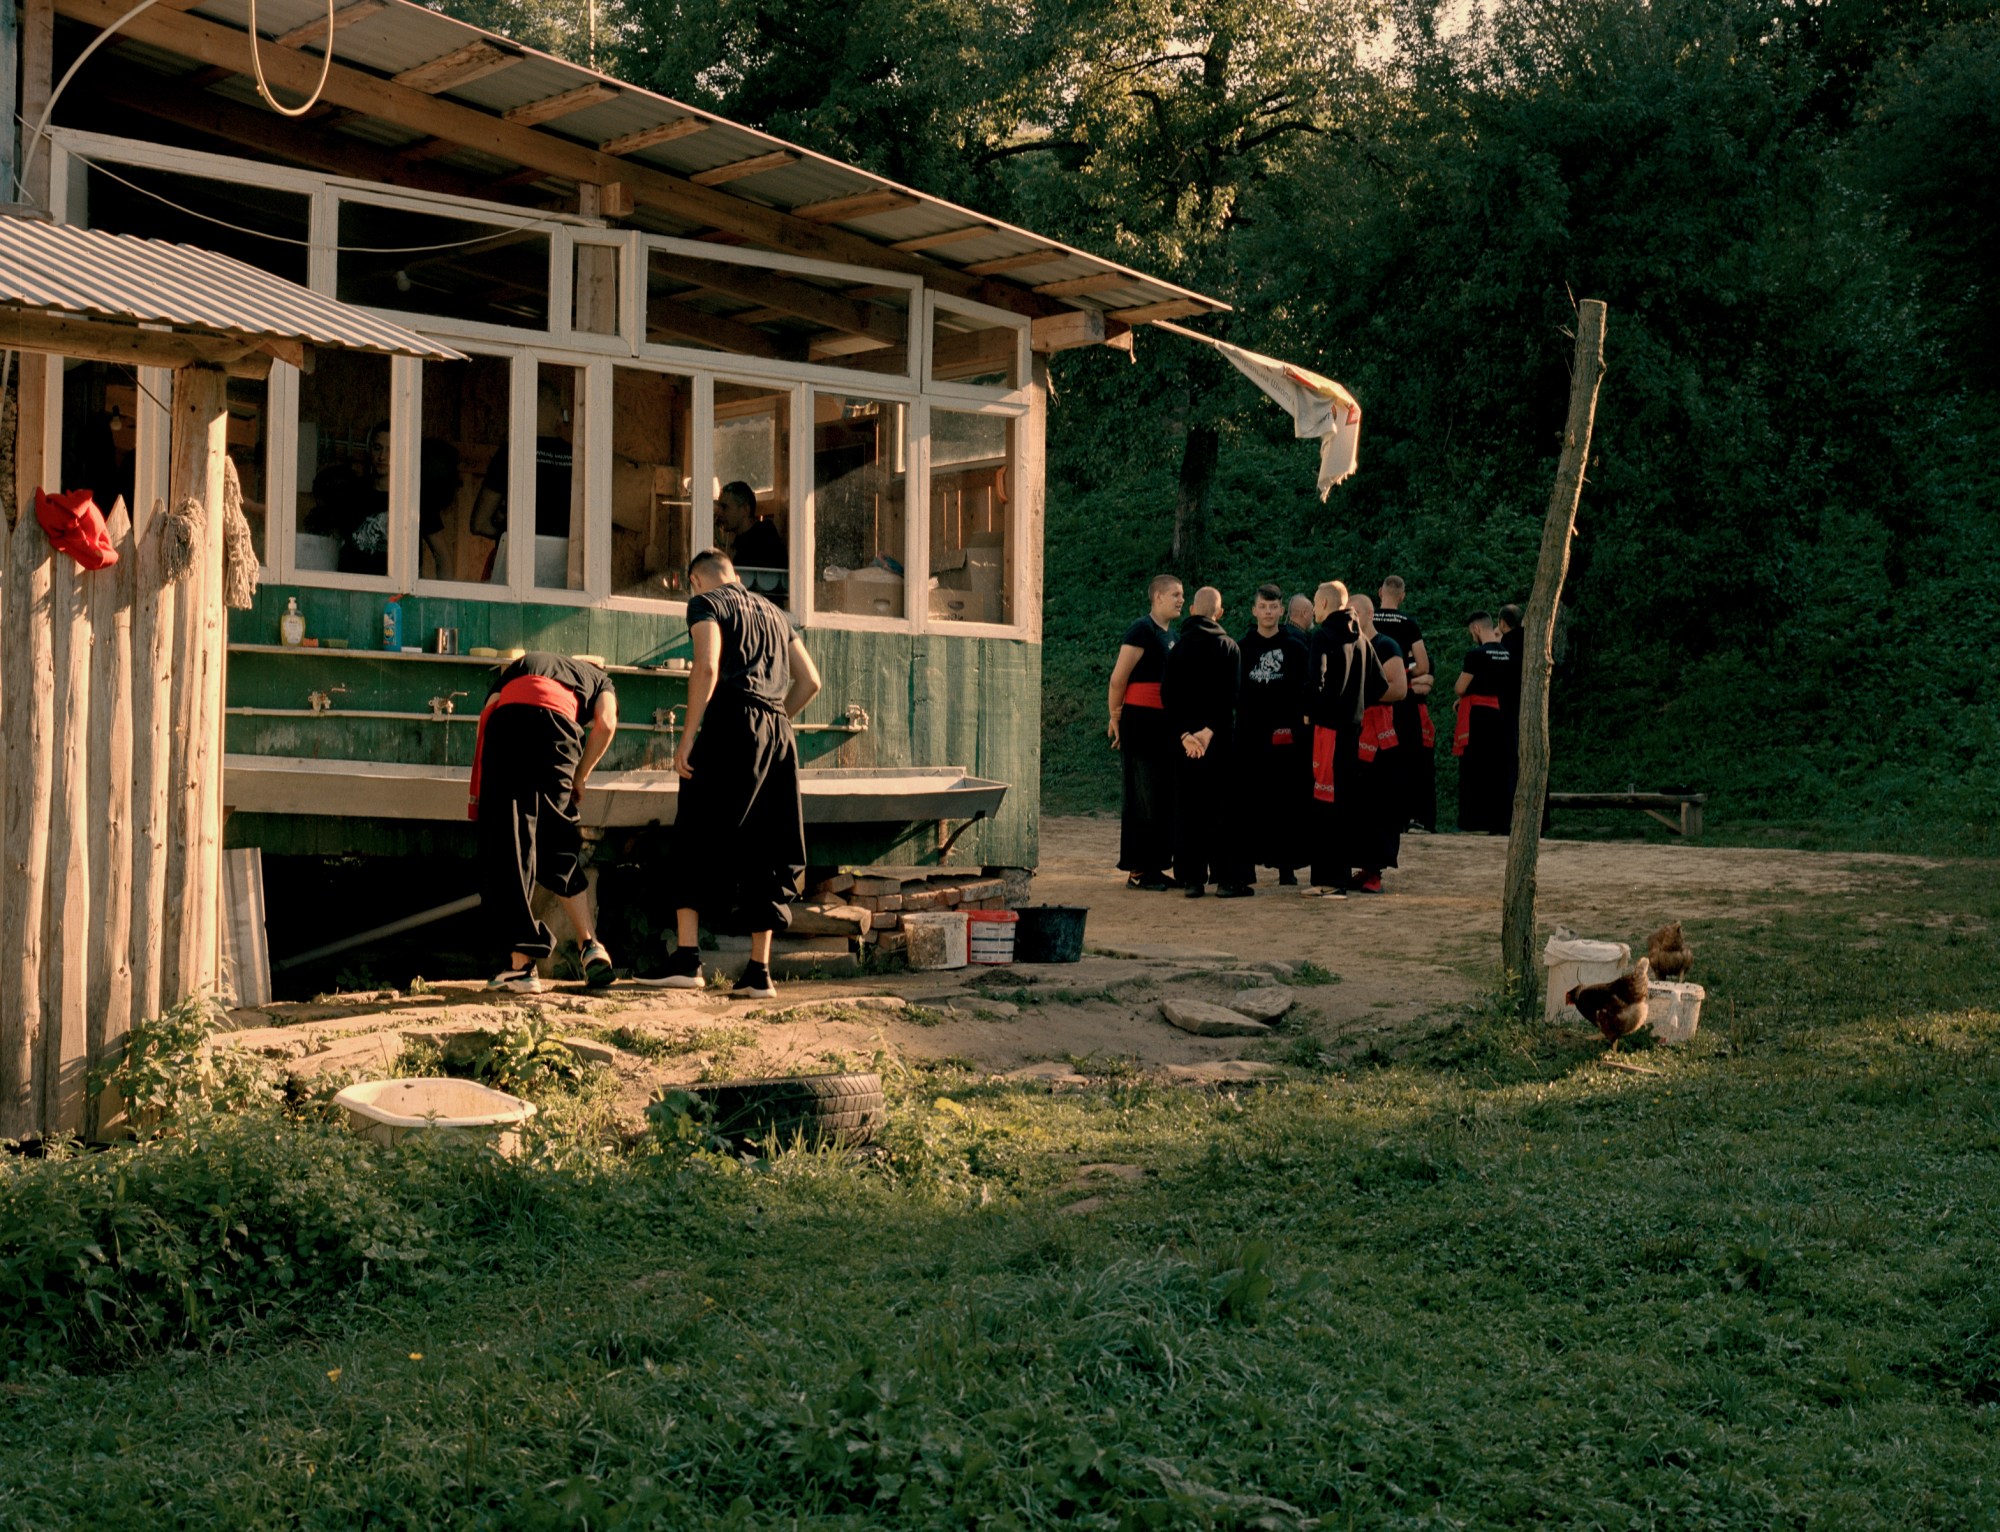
[{"x": 967, "y": 606}]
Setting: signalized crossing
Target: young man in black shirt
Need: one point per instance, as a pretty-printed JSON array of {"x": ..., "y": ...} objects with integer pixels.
[
  {"x": 1416, "y": 768},
  {"x": 1273, "y": 747},
  {"x": 1372, "y": 798},
  {"x": 547, "y": 723},
  {"x": 1334, "y": 676},
  {"x": 1200, "y": 694},
  {"x": 1138, "y": 731},
  {"x": 739, "y": 828},
  {"x": 1484, "y": 734}
]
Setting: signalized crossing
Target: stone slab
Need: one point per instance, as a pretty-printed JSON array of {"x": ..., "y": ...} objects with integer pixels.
[
  {"x": 1205, "y": 1020},
  {"x": 1151, "y": 954},
  {"x": 1265, "y": 1003},
  {"x": 1225, "y": 1072}
]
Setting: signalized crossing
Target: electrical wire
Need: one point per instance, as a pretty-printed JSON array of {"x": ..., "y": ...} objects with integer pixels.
[{"x": 257, "y": 66}]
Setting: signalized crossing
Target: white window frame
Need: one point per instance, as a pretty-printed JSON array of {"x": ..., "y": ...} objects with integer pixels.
[
  {"x": 915, "y": 580},
  {"x": 1017, "y": 522}
]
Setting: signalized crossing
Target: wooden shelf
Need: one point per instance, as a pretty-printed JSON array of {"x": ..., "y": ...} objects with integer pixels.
[{"x": 434, "y": 659}]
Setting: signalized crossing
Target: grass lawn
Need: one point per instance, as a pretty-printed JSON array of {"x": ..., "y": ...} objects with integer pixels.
[{"x": 1489, "y": 1283}]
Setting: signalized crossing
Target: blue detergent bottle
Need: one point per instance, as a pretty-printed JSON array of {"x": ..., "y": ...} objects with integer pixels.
[{"x": 392, "y": 624}]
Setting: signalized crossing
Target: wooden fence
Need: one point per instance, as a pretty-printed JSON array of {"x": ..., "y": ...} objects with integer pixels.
[{"x": 110, "y": 779}]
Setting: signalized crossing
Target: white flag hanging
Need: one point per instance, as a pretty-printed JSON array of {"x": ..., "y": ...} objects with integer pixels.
[{"x": 1318, "y": 406}]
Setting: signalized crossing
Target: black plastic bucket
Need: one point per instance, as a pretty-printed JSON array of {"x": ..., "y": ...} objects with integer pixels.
[{"x": 1050, "y": 933}]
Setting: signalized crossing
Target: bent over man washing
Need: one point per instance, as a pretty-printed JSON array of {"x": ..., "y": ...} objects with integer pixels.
[
  {"x": 739, "y": 830},
  {"x": 547, "y": 723}
]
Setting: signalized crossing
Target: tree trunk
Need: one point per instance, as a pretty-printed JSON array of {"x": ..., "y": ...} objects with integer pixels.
[
  {"x": 1517, "y": 921},
  {"x": 1198, "y": 460}
]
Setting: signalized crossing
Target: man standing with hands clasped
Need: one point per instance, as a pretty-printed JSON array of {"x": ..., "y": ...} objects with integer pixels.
[
  {"x": 547, "y": 722},
  {"x": 1138, "y": 731},
  {"x": 1200, "y": 694},
  {"x": 739, "y": 829}
]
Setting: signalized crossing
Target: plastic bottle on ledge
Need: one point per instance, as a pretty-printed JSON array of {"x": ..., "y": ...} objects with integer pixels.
[
  {"x": 392, "y": 624},
  {"x": 292, "y": 626}
]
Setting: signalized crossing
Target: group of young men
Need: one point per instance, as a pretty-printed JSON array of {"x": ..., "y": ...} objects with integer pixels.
[
  {"x": 739, "y": 829},
  {"x": 1307, "y": 743}
]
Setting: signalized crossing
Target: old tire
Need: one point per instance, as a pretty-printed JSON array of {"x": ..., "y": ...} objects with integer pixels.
[{"x": 819, "y": 1111}]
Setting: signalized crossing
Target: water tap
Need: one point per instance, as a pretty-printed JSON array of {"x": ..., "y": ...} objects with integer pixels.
[
  {"x": 857, "y": 718},
  {"x": 322, "y": 702},
  {"x": 445, "y": 705}
]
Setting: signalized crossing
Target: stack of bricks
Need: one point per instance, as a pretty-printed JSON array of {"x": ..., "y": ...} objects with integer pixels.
[{"x": 870, "y": 902}]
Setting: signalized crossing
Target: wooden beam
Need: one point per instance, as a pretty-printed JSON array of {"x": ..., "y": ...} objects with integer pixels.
[
  {"x": 1062, "y": 332},
  {"x": 614, "y": 199},
  {"x": 1019, "y": 262},
  {"x": 127, "y": 345},
  {"x": 948, "y": 237},
  {"x": 866, "y": 204},
  {"x": 757, "y": 164},
  {"x": 315, "y": 31},
  {"x": 211, "y": 42},
  {"x": 1076, "y": 287},
  {"x": 836, "y": 311},
  {"x": 475, "y": 61},
  {"x": 972, "y": 351},
  {"x": 549, "y": 108},
  {"x": 1172, "y": 308},
  {"x": 667, "y": 321},
  {"x": 659, "y": 133},
  {"x": 428, "y": 149}
]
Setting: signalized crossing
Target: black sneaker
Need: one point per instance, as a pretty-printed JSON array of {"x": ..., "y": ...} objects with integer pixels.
[
  {"x": 755, "y": 984},
  {"x": 1149, "y": 882},
  {"x": 1235, "y": 891},
  {"x": 597, "y": 969},
  {"x": 1196, "y": 890},
  {"x": 519, "y": 981},
  {"x": 683, "y": 971}
]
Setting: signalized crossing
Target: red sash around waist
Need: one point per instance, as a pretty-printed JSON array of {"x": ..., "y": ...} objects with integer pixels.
[
  {"x": 1143, "y": 694},
  {"x": 1281, "y": 736},
  {"x": 1323, "y": 742},
  {"x": 533, "y": 691},
  {"x": 1462, "y": 736},
  {"x": 1430, "y": 729},
  {"x": 1378, "y": 731}
]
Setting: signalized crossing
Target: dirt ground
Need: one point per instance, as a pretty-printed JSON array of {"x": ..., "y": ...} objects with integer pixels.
[{"x": 1429, "y": 943}]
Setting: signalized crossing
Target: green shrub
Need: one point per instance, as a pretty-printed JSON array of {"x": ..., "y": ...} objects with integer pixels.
[{"x": 168, "y": 1071}]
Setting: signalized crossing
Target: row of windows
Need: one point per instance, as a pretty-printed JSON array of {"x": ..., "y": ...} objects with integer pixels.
[{"x": 545, "y": 472}]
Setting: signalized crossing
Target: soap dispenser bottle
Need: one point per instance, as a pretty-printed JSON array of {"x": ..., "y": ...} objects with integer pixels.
[{"x": 292, "y": 626}]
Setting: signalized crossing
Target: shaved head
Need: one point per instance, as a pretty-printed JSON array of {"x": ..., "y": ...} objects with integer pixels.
[
  {"x": 1207, "y": 602},
  {"x": 1363, "y": 608},
  {"x": 1299, "y": 612},
  {"x": 1329, "y": 598}
]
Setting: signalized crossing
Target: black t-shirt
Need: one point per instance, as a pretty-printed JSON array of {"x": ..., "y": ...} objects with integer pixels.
[
  {"x": 1153, "y": 643},
  {"x": 1494, "y": 672},
  {"x": 756, "y": 642},
  {"x": 1202, "y": 674},
  {"x": 762, "y": 546},
  {"x": 585, "y": 681},
  {"x": 1402, "y": 627},
  {"x": 1385, "y": 649},
  {"x": 1515, "y": 642},
  {"x": 554, "y": 463},
  {"x": 1334, "y": 674},
  {"x": 1273, "y": 694}
]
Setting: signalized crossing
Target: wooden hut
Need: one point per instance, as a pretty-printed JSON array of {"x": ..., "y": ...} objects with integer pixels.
[{"x": 653, "y": 305}]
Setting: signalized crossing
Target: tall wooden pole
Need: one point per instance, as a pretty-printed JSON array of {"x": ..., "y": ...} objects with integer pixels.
[
  {"x": 1517, "y": 921},
  {"x": 66, "y": 917},
  {"x": 153, "y": 607},
  {"x": 110, "y": 1010},
  {"x": 27, "y": 711}
]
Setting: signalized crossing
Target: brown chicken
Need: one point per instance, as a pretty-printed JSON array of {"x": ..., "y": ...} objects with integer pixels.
[
  {"x": 1618, "y": 1008},
  {"x": 1669, "y": 953}
]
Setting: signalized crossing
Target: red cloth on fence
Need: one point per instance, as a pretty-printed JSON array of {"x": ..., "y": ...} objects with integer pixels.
[
  {"x": 533, "y": 691},
  {"x": 1463, "y": 735},
  {"x": 1378, "y": 731},
  {"x": 1323, "y": 741},
  {"x": 76, "y": 526}
]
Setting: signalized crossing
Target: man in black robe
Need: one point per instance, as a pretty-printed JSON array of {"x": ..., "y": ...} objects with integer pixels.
[
  {"x": 1334, "y": 676},
  {"x": 1273, "y": 743},
  {"x": 1416, "y": 766},
  {"x": 1200, "y": 694},
  {"x": 547, "y": 722},
  {"x": 739, "y": 827},
  {"x": 1483, "y": 735},
  {"x": 1138, "y": 732},
  {"x": 1372, "y": 800}
]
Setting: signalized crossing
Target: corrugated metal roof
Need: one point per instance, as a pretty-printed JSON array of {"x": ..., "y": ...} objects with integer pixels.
[
  {"x": 405, "y": 35},
  {"x": 58, "y": 268}
]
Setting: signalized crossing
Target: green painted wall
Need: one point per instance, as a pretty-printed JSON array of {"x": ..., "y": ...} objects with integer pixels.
[{"x": 932, "y": 701}]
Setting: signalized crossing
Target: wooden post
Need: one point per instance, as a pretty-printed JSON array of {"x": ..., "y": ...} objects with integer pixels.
[
  {"x": 194, "y": 863},
  {"x": 1517, "y": 920},
  {"x": 66, "y": 914},
  {"x": 27, "y": 710},
  {"x": 110, "y": 1009},
  {"x": 153, "y": 602}
]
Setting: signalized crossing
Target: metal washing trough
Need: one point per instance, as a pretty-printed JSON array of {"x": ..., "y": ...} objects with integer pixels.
[{"x": 282, "y": 784}]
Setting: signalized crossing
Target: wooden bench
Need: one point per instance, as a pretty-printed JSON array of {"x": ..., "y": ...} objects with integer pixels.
[{"x": 1687, "y": 805}]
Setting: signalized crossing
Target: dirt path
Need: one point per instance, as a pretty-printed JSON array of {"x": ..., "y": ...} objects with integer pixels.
[{"x": 1429, "y": 943}]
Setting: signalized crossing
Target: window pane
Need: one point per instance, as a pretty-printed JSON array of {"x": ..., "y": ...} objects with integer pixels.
[
  {"x": 859, "y": 481},
  {"x": 652, "y": 516},
  {"x": 973, "y": 351},
  {"x": 425, "y": 263},
  {"x": 466, "y": 407},
  {"x": 556, "y": 482},
  {"x": 753, "y": 481},
  {"x": 249, "y": 446},
  {"x": 972, "y": 550},
  {"x": 740, "y": 310},
  {"x": 594, "y": 290},
  {"x": 100, "y": 431},
  {"x": 270, "y": 230},
  {"x": 344, "y": 464}
]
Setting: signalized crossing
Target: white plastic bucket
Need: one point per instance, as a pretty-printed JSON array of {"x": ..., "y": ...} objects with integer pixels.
[
  {"x": 937, "y": 940},
  {"x": 1577, "y": 960},
  {"x": 1673, "y": 1011},
  {"x": 990, "y": 935}
]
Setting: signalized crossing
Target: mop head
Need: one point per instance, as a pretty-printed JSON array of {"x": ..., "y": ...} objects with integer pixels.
[
  {"x": 180, "y": 540},
  {"x": 239, "y": 553}
]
